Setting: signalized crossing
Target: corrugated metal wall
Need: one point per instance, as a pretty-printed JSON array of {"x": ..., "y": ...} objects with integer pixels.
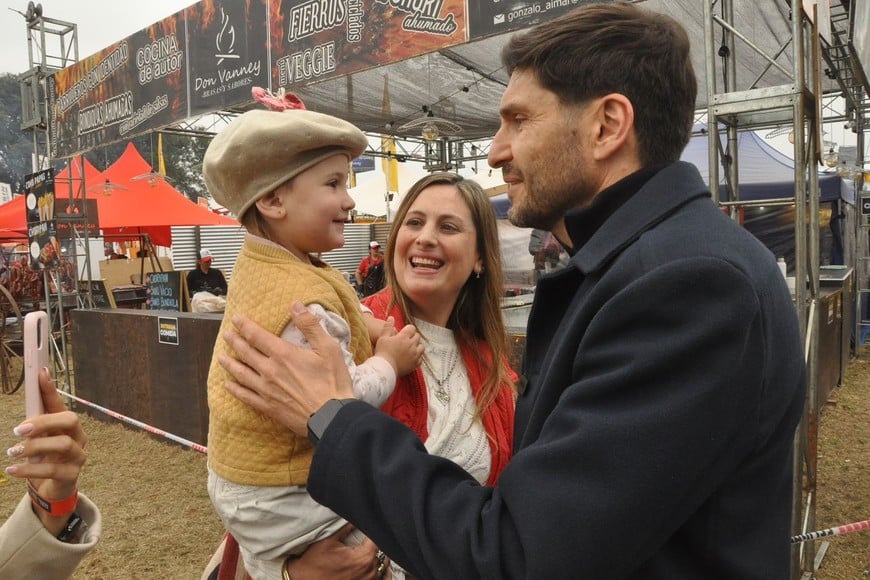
[{"x": 225, "y": 242}]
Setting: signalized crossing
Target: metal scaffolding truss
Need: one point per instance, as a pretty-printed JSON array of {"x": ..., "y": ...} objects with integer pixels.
[{"x": 733, "y": 107}]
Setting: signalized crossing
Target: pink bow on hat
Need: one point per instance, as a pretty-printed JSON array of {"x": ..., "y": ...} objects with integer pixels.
[{"x": 280, "y": 102}]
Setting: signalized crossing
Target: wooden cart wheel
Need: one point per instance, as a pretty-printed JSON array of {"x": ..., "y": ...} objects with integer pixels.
[{"x": 11, "y": 343}]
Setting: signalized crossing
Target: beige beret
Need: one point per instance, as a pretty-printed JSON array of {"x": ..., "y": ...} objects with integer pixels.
[{"x": 262, "y": 149}]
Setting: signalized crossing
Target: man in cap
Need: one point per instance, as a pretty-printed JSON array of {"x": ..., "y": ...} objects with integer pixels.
[
  {"x": 205, "y": 278},
  {"x": 370, "y": 272}
]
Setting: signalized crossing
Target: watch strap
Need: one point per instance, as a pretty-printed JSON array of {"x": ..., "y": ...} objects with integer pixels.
[
  {"x": 74, "y": 530},
  {"x": 320, "y": 419}
]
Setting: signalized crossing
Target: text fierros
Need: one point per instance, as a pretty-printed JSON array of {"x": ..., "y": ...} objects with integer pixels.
[{"x": 314, "y": 16}]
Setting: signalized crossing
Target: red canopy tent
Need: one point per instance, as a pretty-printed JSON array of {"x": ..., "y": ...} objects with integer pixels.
[
  {"x": 126, "y": 206},
  {"x": 13, "y": 220},
  {"x": 147, "y": 205}
]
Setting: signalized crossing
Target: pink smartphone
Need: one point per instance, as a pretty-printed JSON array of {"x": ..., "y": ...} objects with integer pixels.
[{"x": 35, "y": 358}]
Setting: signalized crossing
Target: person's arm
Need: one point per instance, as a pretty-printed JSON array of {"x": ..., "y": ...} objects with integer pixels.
[
  {"x": 642, "y": 445},
  {"x": 222, "y": 281},
  {"x": 359, "y": 272},
  {"x": 33, "y": 542}
]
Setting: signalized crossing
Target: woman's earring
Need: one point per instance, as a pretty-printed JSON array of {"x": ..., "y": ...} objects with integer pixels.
[{"x": 478, "y": 274}]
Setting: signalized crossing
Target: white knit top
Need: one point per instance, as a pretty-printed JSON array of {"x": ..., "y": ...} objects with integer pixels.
[{"x": 453, "y": 431}]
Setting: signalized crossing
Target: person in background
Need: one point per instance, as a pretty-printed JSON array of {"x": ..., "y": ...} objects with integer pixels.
[
  {"x": 54, "y": 526},
  {"x": 205, "y": 278},
  {"x": 111, "y": 254},
  {"x": 284, "y": 173},
  {"x": 547, "y": 252},
  {"x": 664, "y": 367},
  {"x": 370, "y": 273}
]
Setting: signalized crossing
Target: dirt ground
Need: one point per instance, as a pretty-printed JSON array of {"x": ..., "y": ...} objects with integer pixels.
[{"x": 159, "y": 523}]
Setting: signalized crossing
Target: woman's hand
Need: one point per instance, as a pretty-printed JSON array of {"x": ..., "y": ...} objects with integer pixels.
[
  {"x": 53, "y": 446},
  {"x": 281, "y": 380}
]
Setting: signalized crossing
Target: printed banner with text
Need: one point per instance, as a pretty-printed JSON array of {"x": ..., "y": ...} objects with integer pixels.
[
  {"x": 125, "y": 90},
  {"x": 207, "y": 57}
]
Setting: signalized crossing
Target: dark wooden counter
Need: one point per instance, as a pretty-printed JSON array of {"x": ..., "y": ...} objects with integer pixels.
[{"x": 120, "y": 363}]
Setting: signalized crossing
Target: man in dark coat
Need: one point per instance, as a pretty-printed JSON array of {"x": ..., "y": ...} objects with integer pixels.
[{"x": 664, "y": 373}]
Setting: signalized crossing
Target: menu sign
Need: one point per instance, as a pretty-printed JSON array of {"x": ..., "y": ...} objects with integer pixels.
[
  {"x": 41, "y": 225},
  {"x": 164, "y": 291},
  {"x": 99, "y": 293}
]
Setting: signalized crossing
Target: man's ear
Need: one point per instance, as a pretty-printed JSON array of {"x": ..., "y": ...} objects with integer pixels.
[{"x": 614, "y": 117}]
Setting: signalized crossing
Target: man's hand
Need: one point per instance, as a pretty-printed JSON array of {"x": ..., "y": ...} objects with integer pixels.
[
  {"x": 331, "y": 558},
  {"x": 281, "y": 380}
]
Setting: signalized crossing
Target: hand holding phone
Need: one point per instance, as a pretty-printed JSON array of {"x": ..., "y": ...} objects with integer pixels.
[{"x": 35, "y": 358}]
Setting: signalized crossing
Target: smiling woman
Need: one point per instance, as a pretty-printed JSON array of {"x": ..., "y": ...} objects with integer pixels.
[{"x": 444, "y": 276}]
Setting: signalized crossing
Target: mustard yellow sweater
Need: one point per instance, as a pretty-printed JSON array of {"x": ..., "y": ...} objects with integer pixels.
[{"x": 244, "y": 446}]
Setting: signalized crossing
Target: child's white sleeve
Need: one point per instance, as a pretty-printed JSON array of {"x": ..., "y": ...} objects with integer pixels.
[{"x": 373, "y": 380}]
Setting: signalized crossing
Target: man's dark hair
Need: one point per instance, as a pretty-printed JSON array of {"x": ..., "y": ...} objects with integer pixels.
[{"x": 600, "y": 49}]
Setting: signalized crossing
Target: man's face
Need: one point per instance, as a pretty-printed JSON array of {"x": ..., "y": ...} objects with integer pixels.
[{"x": 539, "y": 148}]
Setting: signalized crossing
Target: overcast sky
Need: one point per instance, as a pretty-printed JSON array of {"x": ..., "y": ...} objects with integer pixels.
[{"x": 99, "y": 22}]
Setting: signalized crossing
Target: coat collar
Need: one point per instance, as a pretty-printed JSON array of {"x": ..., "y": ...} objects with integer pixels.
[{"x": 664, "y": 192}]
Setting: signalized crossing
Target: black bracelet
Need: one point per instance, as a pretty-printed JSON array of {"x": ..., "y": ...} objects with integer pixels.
[{"x": 71, "y": 530}]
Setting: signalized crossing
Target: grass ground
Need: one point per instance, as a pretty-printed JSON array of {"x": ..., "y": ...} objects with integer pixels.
[{"x": 159, "y": 522}]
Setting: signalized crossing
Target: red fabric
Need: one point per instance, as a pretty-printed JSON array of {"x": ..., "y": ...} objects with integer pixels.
[
  {"x": 231, "y": 566},
  {"x": 13, "y": 221},
  {"x": 135, "y": 207},
  {"x": 409, "y": 402},
  {"x": 367, "y": 263}
]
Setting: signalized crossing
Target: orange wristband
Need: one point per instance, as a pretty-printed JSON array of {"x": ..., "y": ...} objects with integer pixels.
[{"x": 55, "y": 508}]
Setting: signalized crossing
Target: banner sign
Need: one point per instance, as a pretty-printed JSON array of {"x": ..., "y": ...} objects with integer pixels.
[
  {"x": 315, "y": 41},
  {"x": 130, "y": 88},
  {"x": 75, "y": 216},
  {"x": 490, "y": 17},
  {"x": 207, "y": 57},
  {"x": 227, "y": 48},
  {"x": 41, "y": 225}
]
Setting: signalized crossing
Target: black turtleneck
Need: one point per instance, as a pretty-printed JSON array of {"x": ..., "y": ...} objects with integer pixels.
[{"x": 582, "y": 223}]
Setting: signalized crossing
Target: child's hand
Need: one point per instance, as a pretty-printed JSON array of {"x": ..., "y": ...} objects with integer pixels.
[
  {"x": 378, "y": 328},
  {"x": 403, "y": 350}
]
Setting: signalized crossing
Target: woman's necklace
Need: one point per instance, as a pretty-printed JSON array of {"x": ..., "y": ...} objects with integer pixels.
[{"x": 441, "y": 393}]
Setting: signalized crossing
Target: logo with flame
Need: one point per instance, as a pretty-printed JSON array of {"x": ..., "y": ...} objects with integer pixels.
[{"x": 225, "y": 41}]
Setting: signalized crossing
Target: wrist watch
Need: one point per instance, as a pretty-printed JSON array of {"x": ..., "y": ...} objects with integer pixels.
[{"x": 321, "y": 418}]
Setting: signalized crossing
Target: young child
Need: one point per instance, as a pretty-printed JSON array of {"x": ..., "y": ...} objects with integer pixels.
[{"x": 284, "y": 174}]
